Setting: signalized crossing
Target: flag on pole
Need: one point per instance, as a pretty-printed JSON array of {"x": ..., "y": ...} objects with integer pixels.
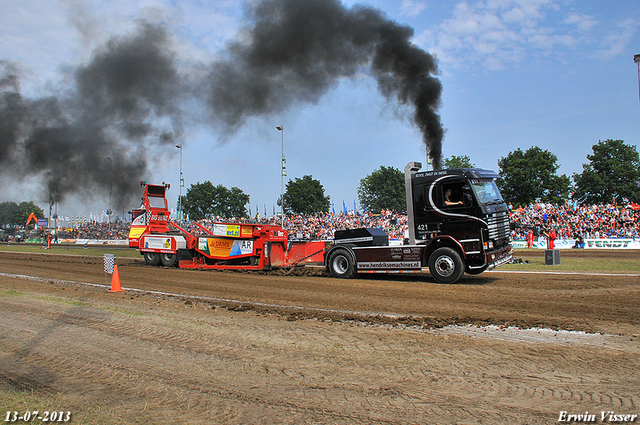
[
  {"x": 344, "y": 207},
  {"x": 284, "y": 166}
]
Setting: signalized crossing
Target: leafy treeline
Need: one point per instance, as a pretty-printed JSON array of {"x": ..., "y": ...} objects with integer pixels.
[
  {"x": 204, "y": 200},
  {"x": 12, "y": 214},
  {"x": 612, "y": 175}
]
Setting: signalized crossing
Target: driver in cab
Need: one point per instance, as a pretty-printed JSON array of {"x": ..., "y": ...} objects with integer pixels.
[{"x": 448, "y": 198}]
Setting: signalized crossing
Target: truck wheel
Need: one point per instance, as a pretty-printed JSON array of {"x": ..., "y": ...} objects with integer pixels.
[
  {"x": 168, "y": 260},
  {"x": 152, "y": 258},
  {"x": 446, "y": 265},
  {"x": 341, "y": 264}
]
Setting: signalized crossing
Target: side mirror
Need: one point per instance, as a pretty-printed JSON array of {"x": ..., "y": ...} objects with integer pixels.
[{"x": 467, "y": 199}]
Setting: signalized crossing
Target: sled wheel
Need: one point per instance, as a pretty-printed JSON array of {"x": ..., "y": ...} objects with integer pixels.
[
  {"x": 152, "y": 258},
  {"x": 168, "y": 260}
]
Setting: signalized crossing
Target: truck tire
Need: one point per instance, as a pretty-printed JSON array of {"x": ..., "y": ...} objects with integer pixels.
[
  {"x": 168, "y": 260},
  {"x": 152, "y": 258},
  {"x": 341, "y": 264},
  {"x": 446, "y": 265}
]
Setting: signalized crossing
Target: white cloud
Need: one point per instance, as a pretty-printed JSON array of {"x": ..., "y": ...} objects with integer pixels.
[
  {"x": 616, "y": 43},
  {"x": 582, "y": 22},
  {"x": 42, "y": 36},
  {"x": 412, "y": 8},
  {"x": 35, "y": 35},
  {"x": 495, "y": 33}
]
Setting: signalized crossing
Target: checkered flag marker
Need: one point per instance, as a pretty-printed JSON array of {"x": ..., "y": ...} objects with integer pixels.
[{"x": 109, "y": 262}]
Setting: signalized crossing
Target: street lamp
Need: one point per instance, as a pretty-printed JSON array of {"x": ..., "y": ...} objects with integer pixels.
[
  {"x": 110, "y": 191},
  {"x": 50, "y": 200},
  {"x": 284, "y": 173},
  {"x": 55, "y": 216},
  {"x": 180, "y": 186},
  {"x": 636, "y": 59}
]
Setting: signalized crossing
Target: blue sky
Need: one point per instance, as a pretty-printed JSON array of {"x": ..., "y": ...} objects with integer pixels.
[{"x": 515, "y": 74}]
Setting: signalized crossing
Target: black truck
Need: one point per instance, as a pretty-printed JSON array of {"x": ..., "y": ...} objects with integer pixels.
[{"x": 458, "y": 222}]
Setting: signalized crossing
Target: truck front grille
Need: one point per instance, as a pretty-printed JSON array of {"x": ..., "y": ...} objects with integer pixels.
[{"x": 498, "y": 224}]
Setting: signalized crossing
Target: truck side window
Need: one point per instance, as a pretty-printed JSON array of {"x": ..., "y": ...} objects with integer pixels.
[{"x": 452, "y": 194}]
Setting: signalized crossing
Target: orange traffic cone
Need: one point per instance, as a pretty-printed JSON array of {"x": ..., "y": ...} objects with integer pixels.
[{"x": 115, "y": 281}]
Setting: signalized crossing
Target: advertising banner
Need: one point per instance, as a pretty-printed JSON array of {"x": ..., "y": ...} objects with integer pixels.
[
  {"x": 154, "y": 242},
  {"x": 541, "y": 243},
  {"x": 220, "y": 247},
  {"x": 136, "y": 231},
  {"x": 226, "y": 230}
]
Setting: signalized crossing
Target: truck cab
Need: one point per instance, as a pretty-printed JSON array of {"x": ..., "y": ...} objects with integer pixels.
[
  {"x": 463, "y": 210},
  {"x": 458, "y": 222}
]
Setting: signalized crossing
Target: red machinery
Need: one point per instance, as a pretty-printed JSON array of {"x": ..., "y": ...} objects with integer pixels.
[{"x": 222, "y": 246}]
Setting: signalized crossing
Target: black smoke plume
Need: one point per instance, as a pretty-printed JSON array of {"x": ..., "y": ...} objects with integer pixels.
[
  {"x": 98, "y": 136},
  {"x": 294, "y": 51},
  {"x": 120, "y": 113}
]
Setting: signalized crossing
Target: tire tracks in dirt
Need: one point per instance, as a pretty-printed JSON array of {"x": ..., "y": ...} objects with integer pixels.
[{"x": 167, "y": 359}]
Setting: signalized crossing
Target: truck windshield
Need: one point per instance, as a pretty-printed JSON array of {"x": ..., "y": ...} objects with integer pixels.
[{"x": 486, "y": 191}]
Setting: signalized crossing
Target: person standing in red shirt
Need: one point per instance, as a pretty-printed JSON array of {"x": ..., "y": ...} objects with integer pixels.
[{"x": 551, "y": 238}]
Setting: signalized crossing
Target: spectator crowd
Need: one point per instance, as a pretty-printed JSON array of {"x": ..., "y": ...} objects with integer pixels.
[
  {"x": 576, "y": 221},
  {"x": 539, "y": 219},
  {"x": 568, "y": 221},
  {"x": 95, "y": 230},
  {"x": 322, "y": 226}
]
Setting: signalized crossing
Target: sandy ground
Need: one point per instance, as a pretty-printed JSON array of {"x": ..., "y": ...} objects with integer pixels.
[{"x": 182, "y": 346}]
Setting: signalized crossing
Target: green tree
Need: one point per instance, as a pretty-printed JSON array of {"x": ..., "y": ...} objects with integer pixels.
[
  {"x": 305, "y": 196},
  {"x": 204, "y": 200},
  {"x": 8, "y": 213},
  {"x": 383, "y": 189},
  {"x": 462, "y": 161},
  {"x": 532, "y": 174},
  {"x": 25, "y": 209},
  {"x": 234, "y": 204},
  {"x": 611, "y": 176}
]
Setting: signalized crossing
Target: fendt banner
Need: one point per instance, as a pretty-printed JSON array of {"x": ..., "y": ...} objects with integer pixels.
[{"x": 541, "y": 243}]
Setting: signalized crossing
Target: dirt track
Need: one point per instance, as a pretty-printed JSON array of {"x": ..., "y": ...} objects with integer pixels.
[{"x": 370, "y": 350}]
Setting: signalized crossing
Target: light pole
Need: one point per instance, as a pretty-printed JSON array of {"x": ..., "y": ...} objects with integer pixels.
[
  {"x": 179, "y": 214},
  {"x": 50, "y": 201},
  {"x": 636, "y": 59},
  {"x": 55, "y": 216},
  {"x": 110, "y": 191},
  {"x": 284, "y": 173}
]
